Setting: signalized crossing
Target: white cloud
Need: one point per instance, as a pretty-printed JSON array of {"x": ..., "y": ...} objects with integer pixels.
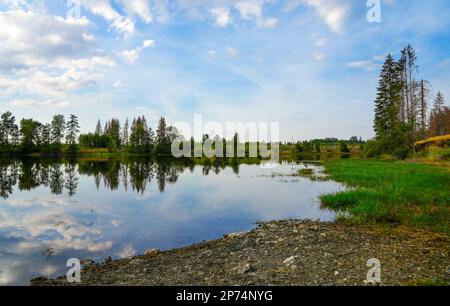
[
  {"x": 139, "y": 8},
  {"x": 148, "y": 43},
  {"x": 123, "y": 25},
  {"x": 28, "y": 5},
  {"x": 253, "y": 9},
  {"x": 249, "y": 9},
  {"x": 118, "y": 84},
  {"x": 84, "y": 63},
  {"x": 47, "y": 104},
  {"x": 131, "y": 56},
  {"x": 222, "y": 15},
  {"x": 47, "y": 85},
  {"x": 333, "y": 12},
  {"x": 231, "y": 51},
  {"x": 44, "y": 59},
  {"x": 270, "y": 23},
  {"x": 88, "y": 37},
  {"x": 33, "y": 40},
  {"x": 364, "y": 65},
  {"x": 127, "y": 252},
  {"x": 319, "y": 56},
  {"x": 321, "y": 42}
]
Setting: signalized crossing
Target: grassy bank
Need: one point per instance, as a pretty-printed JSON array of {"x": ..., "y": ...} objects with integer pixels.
[{"x": 392, "y": 192}]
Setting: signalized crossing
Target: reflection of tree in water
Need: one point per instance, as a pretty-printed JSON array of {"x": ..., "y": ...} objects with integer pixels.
[
  {"x": 162, "y": 171},
  {"x": 8, "y": 178},
  {"x": 140, "y": 173},
  {"x": 29, "y": 176},
  {"x": 136, "y": 173},
  {"x": 56, "y": 179},
  {"x": 71, "y": 180}
]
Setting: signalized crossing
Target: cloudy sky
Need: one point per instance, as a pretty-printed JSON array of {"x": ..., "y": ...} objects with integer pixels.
[{"x": 311, "y": 65}]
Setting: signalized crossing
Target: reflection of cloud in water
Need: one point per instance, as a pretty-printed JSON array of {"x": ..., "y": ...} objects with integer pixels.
[
  {"x": 111, "y": 220},
  {"x": 116, "y": 223},
  {"x": 32, "y": 233},
  {"x": 44, "y": 201}
]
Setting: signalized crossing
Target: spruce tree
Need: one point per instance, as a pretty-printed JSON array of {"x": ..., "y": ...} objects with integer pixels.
[{"x": 73, "y": 128}]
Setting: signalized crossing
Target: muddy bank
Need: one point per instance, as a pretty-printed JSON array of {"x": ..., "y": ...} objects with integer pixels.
[{"x": 284, "y": 253}]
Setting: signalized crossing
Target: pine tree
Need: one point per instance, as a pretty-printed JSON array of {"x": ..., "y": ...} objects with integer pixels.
[
  {"x": 73, "y": 128},
  {"x": 387, "y": 103},
  {"x": 161, "y": 131},
  {"x": 437, "y": 119},
  {"x": 125, "y": 137},
  {"x": 98, "y": 128}
]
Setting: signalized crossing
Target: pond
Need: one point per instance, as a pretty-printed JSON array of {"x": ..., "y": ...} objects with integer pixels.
[{"x": 91, "y": 208}]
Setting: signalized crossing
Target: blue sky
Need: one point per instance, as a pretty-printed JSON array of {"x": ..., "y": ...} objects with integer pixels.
[{"x": 311, "y": 65}]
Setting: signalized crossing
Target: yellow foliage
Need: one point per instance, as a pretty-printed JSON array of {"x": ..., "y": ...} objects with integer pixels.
[{"x": 433, "y": 140}]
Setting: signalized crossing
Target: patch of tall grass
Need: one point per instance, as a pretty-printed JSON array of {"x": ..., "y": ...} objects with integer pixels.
[{"x": 392, "y": 192}]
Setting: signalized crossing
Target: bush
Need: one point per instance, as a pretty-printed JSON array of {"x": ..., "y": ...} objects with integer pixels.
[
  {"x": 445, "y": 156},
  {"x": 401, "y": 153},
  {"x": 343, "y": 147},
  {"x": 73, "y": 149}
]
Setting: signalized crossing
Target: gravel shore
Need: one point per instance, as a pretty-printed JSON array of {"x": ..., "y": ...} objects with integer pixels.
[{"x": 283, "y": 253}]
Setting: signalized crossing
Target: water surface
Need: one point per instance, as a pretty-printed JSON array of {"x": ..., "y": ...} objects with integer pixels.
[{"x": 53, "y": 210}]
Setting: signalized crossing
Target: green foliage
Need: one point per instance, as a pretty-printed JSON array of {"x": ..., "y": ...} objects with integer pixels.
[
  {"x": 94, "y": 140},
  {"x": 73, "y": 128},
  {"x": 343, "y": 148},
  {"x": 392, "y": 192},
  {"x": 58, "y": 127},
  {"x": 112, "y": 130},
  {"x": 29, "y": 129},
  {"x": 400, "y": 107},
  {"x": 141, "y": 136}
]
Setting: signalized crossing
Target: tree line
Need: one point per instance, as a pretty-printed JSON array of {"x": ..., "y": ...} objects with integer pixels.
[
  {"x": 137, "y": 137},
  {"x": 33, "y": 136},
  {"x": 401, "y": 108},
  {"x": 63, "y": 136}
]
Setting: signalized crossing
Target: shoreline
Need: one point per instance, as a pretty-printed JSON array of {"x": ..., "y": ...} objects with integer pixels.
[{"x": 291, "y": 252}]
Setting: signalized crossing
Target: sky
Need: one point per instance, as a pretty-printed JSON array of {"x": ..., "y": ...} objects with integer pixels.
[{"x": 311, "y": 65}]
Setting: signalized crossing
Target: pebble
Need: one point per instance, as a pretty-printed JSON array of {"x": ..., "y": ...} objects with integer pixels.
[
  {"x": 152, "y": 252},
  {"x": 289, "y": 261},
  {"x": 87, "y": 262},
  {"x": 244, "y": 268},
  {"x": 235, "y": 235}
]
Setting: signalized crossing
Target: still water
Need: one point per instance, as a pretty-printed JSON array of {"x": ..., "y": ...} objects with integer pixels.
[{"x": 53, "y": 210}]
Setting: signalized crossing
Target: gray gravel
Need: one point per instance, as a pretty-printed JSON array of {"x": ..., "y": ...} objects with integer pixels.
[{"x": 284, "y": 253}]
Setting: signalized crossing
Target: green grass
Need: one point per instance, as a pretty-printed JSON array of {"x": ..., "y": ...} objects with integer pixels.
[
  {"x": 392, "y": 192},
  {"x": 430, "y": 283},
  {"x": 436, "y": 155}
]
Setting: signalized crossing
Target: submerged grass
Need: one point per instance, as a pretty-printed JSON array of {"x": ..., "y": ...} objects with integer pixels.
[
  {"x": 392, "y": 192},
  {"x": 306, "y": 172}
]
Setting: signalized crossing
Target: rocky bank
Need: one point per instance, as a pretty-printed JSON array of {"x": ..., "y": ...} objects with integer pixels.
[{"x": 283, "y": 253}]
